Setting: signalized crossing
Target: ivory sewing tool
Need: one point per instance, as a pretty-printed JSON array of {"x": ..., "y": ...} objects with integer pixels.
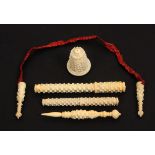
[
  {"x": 20, "y": 98},
  {"x": 83, "y": 114},
  {"x": 96, "y": 87},
  {"x": 140, "y": 97},
  {"x": 78, "y": 63},
  {"x": 81, "y": 101}
]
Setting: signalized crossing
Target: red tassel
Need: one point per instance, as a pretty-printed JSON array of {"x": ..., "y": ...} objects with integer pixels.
[{"x": 111, "y": 47}]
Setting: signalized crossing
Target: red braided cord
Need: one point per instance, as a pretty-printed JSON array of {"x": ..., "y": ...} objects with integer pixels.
[{"x": 111, "y": 47}]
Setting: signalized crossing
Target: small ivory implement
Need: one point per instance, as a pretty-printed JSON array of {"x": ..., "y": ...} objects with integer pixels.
[
  {"x": 20, "y": 98},
  {"x": 97, "y": 87},
  {"x": 140, "y": 97},
  {"x": 82, "y": 101},
  {"x": 83, "y": 114}
]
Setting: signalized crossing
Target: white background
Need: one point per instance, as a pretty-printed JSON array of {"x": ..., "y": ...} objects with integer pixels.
[
  {"x": 77, "y": 143},
  {"x": 78, "y": 12}
]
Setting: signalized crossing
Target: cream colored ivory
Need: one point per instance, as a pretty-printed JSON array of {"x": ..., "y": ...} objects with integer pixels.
[
  {"x": 83, "y": 114},
  {"x": 140, "y": 97},
  {"x": 82, "y": 101},
  {"x": 97, "y": 87},
  {"x": 20, "y": 98},
  {"x": 78, "y": 63}
]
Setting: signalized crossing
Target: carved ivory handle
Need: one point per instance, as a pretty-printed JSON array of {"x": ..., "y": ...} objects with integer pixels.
[
  {"x": 140, "y": 97},
  {"x": 82, "y": 101},
  {"x": 83, "y": 114},
  {"x": 20, "y": 98},
  {"x": 97, "y": 87}
]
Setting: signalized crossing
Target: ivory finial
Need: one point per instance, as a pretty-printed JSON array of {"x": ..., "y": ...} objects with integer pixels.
[
  {"x": 140, "y": 98},
  {"x": 20, "y": 98}
]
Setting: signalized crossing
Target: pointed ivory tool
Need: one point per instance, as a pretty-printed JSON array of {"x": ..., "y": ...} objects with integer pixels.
[{"x": 83, "y": 114}]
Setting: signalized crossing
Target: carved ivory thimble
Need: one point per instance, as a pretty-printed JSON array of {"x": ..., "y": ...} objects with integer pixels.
[{"x": 78, "y": 63}]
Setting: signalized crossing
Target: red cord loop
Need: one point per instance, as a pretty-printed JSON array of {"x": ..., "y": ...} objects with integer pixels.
[{"x": 111, "y": 47}]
